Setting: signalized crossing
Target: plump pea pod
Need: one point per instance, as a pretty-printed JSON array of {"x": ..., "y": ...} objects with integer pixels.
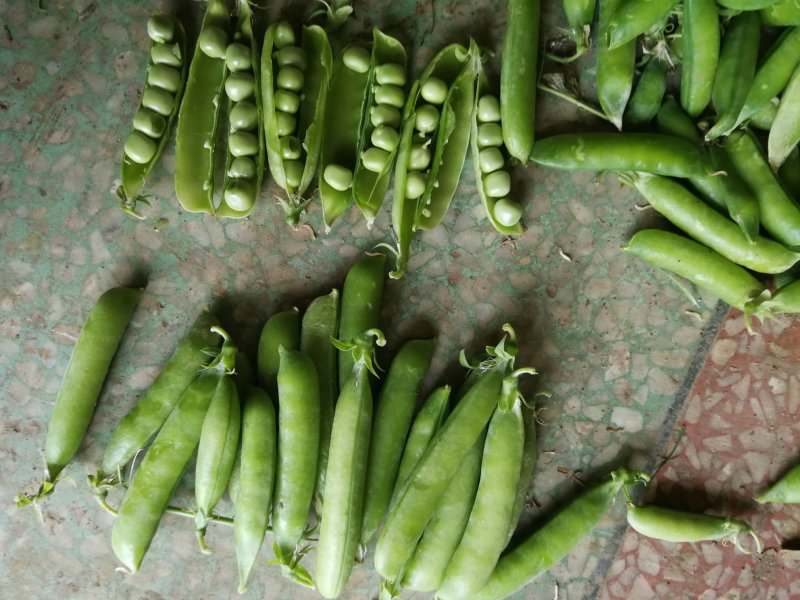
[
  {"x": 735, "y": 71},
  {"x": 281, "y": 329},
  {"x": 671, "y": 119},
  {"x": 318, "y": 64},
  {"x": 256, "y": 475},
  {"x": 555, "y": 539},
  {"x": 149, "y": 127},
  {"x": 197, "y": 124},
  {"x": 780, "y": 214},
  {"x": 789, "y": 173},
  {"x": 160, "y": 471},
  {"x": 82, "y": 382},
  {"x": 370, "y": 187},
  {"x": 340, "y": 526},
  {"x": 786, "y": 490},
  {"x": 426, "y": 568},
  {"x": 632, "y": 18},
  {"x": 298, "y": 450},
  {"x": 615, "y": 68},
  {"x": 580, "y": 14},
  {"x": 781, "y": 13},
  {"x": 485, "y": 535},
  {"x": 519, "y": 69},
  {"x": 785, "y": 132},
  {"x": 744, "y": 5},
  {"x": 681, "y": 526},
  {"x": 344, "y": 114},
  {"x": 647, "y": 152},
  {"x": 320, "y": 324},
  {"x": 701, "y": 45},
  {"x": 646, "y": 99},
  {"x": 773, "y": 73},
  {"x": 687, "y": 212},
  {"x": 361, "y": 305},
  {"x": 396, "y": 403}
]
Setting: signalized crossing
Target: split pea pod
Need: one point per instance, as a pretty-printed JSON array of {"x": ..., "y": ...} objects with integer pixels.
[
  {"x": 785, "y": 132},
  {"x": 281, "y": 329},
  {"x": 615, "y": 68},
  {"x": 82, "y": 382},
  {"x": 701, "y": 44},
  {"x": 781, "y": 13},
  {"x": 632, "y": 18},
  {"x": 153, "y": 121}
]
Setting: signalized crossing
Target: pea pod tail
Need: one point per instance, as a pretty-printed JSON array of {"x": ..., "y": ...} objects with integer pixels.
[{"x": 291, "y": 567}]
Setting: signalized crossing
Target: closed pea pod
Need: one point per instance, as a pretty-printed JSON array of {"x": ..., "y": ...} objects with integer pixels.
[
  {"x": 744, "y": 5},
  {"x": 615, "y": 68},
  {"x": 701, "y": 43},
  {"x": 789, "y": 173},
  {"x": 648, "y": 95},
  {"x": 580, "y": 15},
  {"x": 786, "y": 299},
  {"x": 632, "y": 18},
  {"x": 281, "y": 329},
  {"x": 782, "y": 12},
  {"x": 784, "y": 134},
  {"x": 786, "y": 490}
]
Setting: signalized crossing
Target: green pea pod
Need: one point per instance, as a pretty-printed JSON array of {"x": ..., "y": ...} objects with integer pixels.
[
  {"x": 745, "y": 5},
  {"x": 672, "y": 120},
  {"x": 789, "y": 173},
  {"x": 615, "y": 68},
  {"x": 764, "y": 117},
  {"x": 197, "y": 124},
  {"x": 580, "y": 15},
  {"x": 646, "y": 99},
  {"x": 782, "y": 13},
  {"x": 701, "y": 45},
  {"x": 785, "y": 132},
  {"x": 735, "y": 71},
  {"x": 281, "y": 329},
  {"x": 554, "y": 540},
  {"x": 134, "y": 172},
  {"x": 785, "y": 300},
  {"x": 529, "y": 457},
  {"x": 632, "y": 18}
]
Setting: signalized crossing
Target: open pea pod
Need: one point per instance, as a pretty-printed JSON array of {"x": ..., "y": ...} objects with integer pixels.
[
  {"x": 293, "y": 156},
  {"x": 165, "y": 80}
]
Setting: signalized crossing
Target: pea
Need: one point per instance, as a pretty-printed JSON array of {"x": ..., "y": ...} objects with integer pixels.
[
  {"x": 238, "y": 57},
  {"x": 294, "y": 172},
  {"x": 243, "y": 115},
  {"x": 286, "y": 101},
  {"x": 497, "y": 184},
  {"x": 419, "y": 157},
  {"x": 391, "y": 74},
  {"x": 375, "y": 159},
  {"x": 291, "y": 148},
  {"x": 291, "y": 56},
  {"x": 240, "y": 194},
  {"x": 213, "y": 41},
  {"x": 356, "y": 59},
  {"x": 434, "y": 90},
  {"x": 385, "y": 137},
  {"x": 165, "y": 78},
  {"x": 242, "y": 143},
  {"x": 426, "y": 119},
  {"x": 338, "y": 177},
  {"x": 240, "y": 86},
  {"x": 158, "y": 100},
  {"x": 242, "y": 167},
  {"x": 286, "y": 123},
  {"x": 488, "y": 109},
  {"x": 490, "y": 135},
  {"x": 415, "y": 184},
  {"x": 284, "y": 35},
  {"x": 149, "y": 123},
  {"x": 384, "y": 115},
  {"x": 290, "y": 78},
  {"x": 166, "y": 54},
  {"x": 491, "y": 159},
  {"x": 160, "y": 28},
  {"x": 139, "y": 148},
  {"x": 390, "y": 95},
  {"x": 507, "y": 212}
]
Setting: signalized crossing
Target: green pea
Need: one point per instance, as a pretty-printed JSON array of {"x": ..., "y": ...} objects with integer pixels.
[
  {"x": 242, "y": 167},
  {"x": 240, "y": 194},
  {"x": 390, "y": 95},
  {"x": 213, "y": 41},
  {"x": 356, "y": 59},
  {"x": 240, "y": 86},
  {"x": 384, "y": 115},
  {"x": 497, "y": 184},
  {"x": 291, "y": 56},
  {"x": 434, "y": 90},
  {"x": 490, "y": 134},
  {"x": 160, "y": 28},
  {"x": 286, "y": 101},
  {"x": 426, "y": 119},
  {"x": 290, "y": 78},
  {"x": 415, "y": 184},
  {"x": 507, "y": 212},
  {"x": 243, "y": 115},
  {"x": 491, "y": 159},
  {"x": 238, "y": 57},
  {"x": 158, "y": 100},
  {"x": 149, "y": 123},
  {"x": 166, "y": 54},
  {"x": 140, "y": 148},
  {"x": 286, "y": 123},
  {"x": 375, "y": 159},
  {"x": 165, "y": 78},
  {"x": 338, "y": 177},
  {"x": 390, "y": 74},
  {"x": 488, "y": 109},
  {"x": 419, "y": 157},
  {"x": 284, "y": 35},
  {"x": 242, "y": 143},
  {"x": 291, "y": 148},
  {"x": 294, "y": 172},
  {"x": 385, "y": 137}
]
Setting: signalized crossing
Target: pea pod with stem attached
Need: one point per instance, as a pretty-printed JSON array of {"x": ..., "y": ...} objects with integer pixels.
[
  {"x": 784, "y": 134},
  {"x": 158, "y": 107},
  {"x": 701, "y": 45},
  {"x": 632, "y": 18},
  {"x": 615, "y": 68}
]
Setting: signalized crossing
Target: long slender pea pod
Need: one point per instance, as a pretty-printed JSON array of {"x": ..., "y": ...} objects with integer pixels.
[
  {"x": 782, "y": 13},
  {"x": 615, "y": 68},
  {"x": 786, "y": 490},
  {"x": 160, "y": 471},
  {"x": 321, "y": 323},
  {"x": 529, "y": 456},
  {"x": 199, "y": 112},
  {"x": 785, "y": 132},
  {"x": 648, "y": 152},
  {"x": 166, "y": 71},
  {"x": 693, "y": 216},
  {"x": 580, "y": 15},
  {"x": 773, "y": 73},
  {"x": 519, "y": 69},
  {"x": 555, "y": 539},
  {"x": 701, "y": 44},
  {"x": 648, "y": 95},
  {"x": 789, "y": 173},
  {"x": 735, "y": 71},
  {"x": 780, "y": 214},
  {"x": 256, "y": 467},
  {"x": 394, "y": 412},
  {"x": 281, "y": 329},
  {"x": 361, "y": 305},
  {"x": 340, "y": 526},
  {"x": 82, "y": 382},
  {"x": 633, "y": 18},
  {"x": 298, "y": 451}
]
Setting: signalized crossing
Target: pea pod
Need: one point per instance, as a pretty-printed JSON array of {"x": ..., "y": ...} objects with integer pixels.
[
  {"x": 632, "y": 18},
  {"x": 785, "y": 132},
  {"x": 789, "y": 173},
  {"x": 781, "y": 13},
  {"x": 648, "y": 95},
  {"x": 281, "y": 329},
  {"x": 764, "y": 117},
  {"x": 701, "y": 44},
  {"x": 745, "y": 5},
  {"x": 615, "y": 68},
  {"x": 786, "y": 490},
  {"x": 580, "y": 15},
  {"x": 671, "y": 119},
  {"x": 150, "y": 129},
  {"x": 786, "y": 299}
]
